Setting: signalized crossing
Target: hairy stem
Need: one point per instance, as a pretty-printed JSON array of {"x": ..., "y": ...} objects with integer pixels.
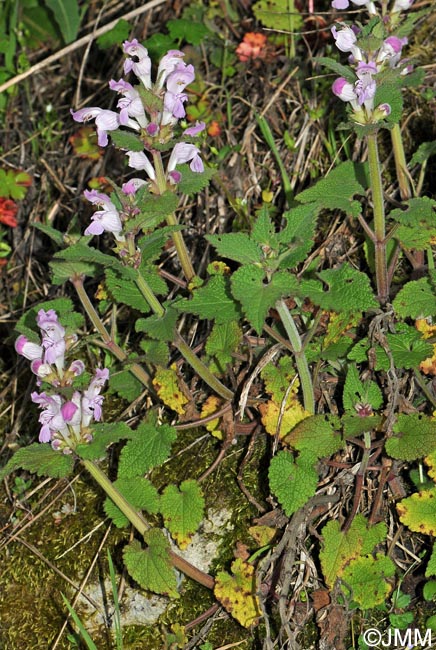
[
  {"x": 110, "y": 344},
  {"x": 300, "y": 357},
  {"x": 201, "y": 369},
  {"x": 179, "y": 242},
  {"x": 381, "y": 271},
  {"x": 400, "y": 163},
  {"x": 148, "y": 294},
  {"x": 141, "y": 525}
]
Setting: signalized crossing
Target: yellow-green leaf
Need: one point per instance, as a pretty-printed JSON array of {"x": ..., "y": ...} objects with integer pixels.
[
  {"x": 151, "y": 567},
  {"x": 366, "y": 577},
  {"x": 418, "y": 512},
  {"x": 183, "y": 510},
  {"x": 237, "y": 592},
  {"x": 167, "y": 387}
]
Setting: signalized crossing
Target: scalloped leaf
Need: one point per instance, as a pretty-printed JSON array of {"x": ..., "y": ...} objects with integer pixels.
[
  {"x": 319, "y": 434},
  {"x": 365, "y": 580},
  {"x": 342, "y": 70},
  {"x": 237, "y": 246},
  {"x": 418, "y": 512},
  {"x": 223, "y": 340},
  {"x": 105, "y": 434},
  {"x": 126, "y": 385},
  {"x": 39, "y": 459},
  {"x": 417, "y": 299},
  {"x": 408, "y": 347},
  {"x": 154, "y": 208},
  {"x": 126, "y": 292},
  {"x": 256, "y": 295},
  {"x": 212, "y": 301},
  {"x": 287, "y": 416},
  {"x": 160, "y": 327},
  {"x": 417, "y": 224},
  {"x": 348, "y": 290},
  {"x": 182, "y": 509},
  {"x": 193, "y": 182},
  {"x": 126, "y": 140},
  {"x": 277, "y": 378},
  {"x": 237, "y": 592},
  {"x": 415, "y": 437},
  {"x": 150, "y": 447},
  {"x": 293, "y": 482},
  {"x": 139, "y": 492},
  {"x": 340, "y": 547},
  {"x": 431, "y": 566},
  {"x": 166, "y": 383},
  {"x": 336, "y": 190},
  {"x": 151, "y": 567},
  {"x": 360, "y": 392},
  {"x": 298, "y": 234}
]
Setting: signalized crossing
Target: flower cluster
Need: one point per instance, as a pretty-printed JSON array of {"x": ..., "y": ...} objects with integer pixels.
[
  {"x": 152, "y": 111},
  {"x": 368, "y": 64},
  {"x": 399, "y": 5},
  {"x": 67, "y": 413}
]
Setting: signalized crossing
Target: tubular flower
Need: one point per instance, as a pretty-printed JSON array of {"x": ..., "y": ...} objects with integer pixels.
[
  {"x": 104, "y": 120},
  {"x": 141, "y": 67},
  {"x": 167, "y": 65},
  {"x": 105, "y": 220},
  {"x": 346, "y": 39},
  {"x": 138, "y": 160},
  {"x": 130, "y": 104},
  {"x": 183, "y": 153},
  {"x": 344, "y": 4}
]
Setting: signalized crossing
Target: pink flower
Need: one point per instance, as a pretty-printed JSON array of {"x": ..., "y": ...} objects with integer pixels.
[
  {"x": 104, "y": 120},
  {"x": 183, "y": 153},
  {"x": 346, "y": 41},
  {"x": 92, "y": 400},
  {"x": 196, "y": 129},
  {"x": 167, "y": 65},
  {"x": 53, "y": 338},
  {"x": 27, "y": 349},
  {"x": 142, "y": 66},
  {"x": 51, "y": 417},
  {"x": 130, "y": 104},
  {"x": 138, "y": 160},
  {"x": 106, "y": 220}
]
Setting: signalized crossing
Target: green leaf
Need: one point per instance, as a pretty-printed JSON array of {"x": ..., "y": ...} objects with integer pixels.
[
  {"x": 417, "y": 224},
  {"x": 342, "y": 70},
  {"x": 212, "y": 301},
  {"x": 66, "y": 13},
  {"x": 336, "y": 190},
  {"x": 126, "y": 385},
  {"x": 429, "y": 590},
  {"x": 348, "y": 290},
  {"x": 139, "y": 492},
  {"x": 366, "y": 579},
  {"x": 151, "y": 446},
  {"x": 182, "y": 29},
  {"x": 418, "y": 512},
  {"x": 159, "y": 44},
  {"x": 318, "y": 434},
  {"x": 415, "y": 437},
  {"x": 257, "y": 296},
  {"x": 407, "y": 347},
  {"x": 431, "y": 565},
  {"x": 127, "y": 141},
  {"x": 390, "y": 93},
  {"x": 154, "y": 209},
  {"x": 119, "y": 33},
  {"x": 14, "y": 184},
  {"x": 236, "y": 246},
  {"x": 360, "y": 352},
  {"x": 152, "y": 243},
  {"x": 55, "y": 235},
  {"x": 126, "y": 292},
  {"x": 63, "y": 271},
  {"x": 182, "y": 509},
  {"x": 160, "y": 327},
  {"x": 151, "y": 567},
  {"x": 194, "y": 182},
  {"x": 340, "y": 547},
  {"x": 355, "y": 425},
  {"x": 280, "y": 15},
  {"x": 277, "y": 378},
  {"x": 224, "y": 339},
  {"x": 81, "y": 252},
  {"x": 298, "y": 234},
  {"x": 156, "y": 352},
  {"x": 358, "y": 392},
  {"x": 293, "y": 482},
  {"x": 40, "y": 459},
  {"x": 417, "y": 299},
  {"x": 105, "y": 434},
  {"x": 425, "y": 151}
]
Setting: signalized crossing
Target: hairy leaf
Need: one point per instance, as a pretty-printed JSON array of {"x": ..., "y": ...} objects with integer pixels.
[
  {"x": 188, "y": 30},
  {"x": 418, "y": 512},
  {"x": 150, "y": 447},
  {"x": 256, "y": 295},
  {"x": 236, "y": 246},
  {"x": 194, "y": 182},
  {"x": 298, "y": 234},
  {"x": 417, "y": 223},
  {"x": 212, "y": 301},
  {"x": 126, "y": 292},
  {"x": 127, "y": 140},
  {"x": 224, "y": 339},
  {"x": 417, "y": 299},
  {"x": 126, "y": 385},
  {"x": 279, "y": 419},
  {"x": 360, "y": 392},
  {"x": 336, "y": 190},
  {"x": 348, "y": 290},
  {"x": 293, "y": 482},
  {"x": 151, "y": 567},
  {"x": 105, "y": 434},
  {"x": 237, "y": 592},
  {"x": 365, "y": 579},
  {"x": 415, "y": 436},
  {"x": 431, "y": 565},
  {"x": 407, "y": 347},
  {"x": 40, "y": 459},
  {"x": 278, "y": 14},
  {"x": 166, "y": 383},
  {"x": 318, "y": 434},
  {"x": 182, "y": 509},
  {"x": 160, "y": 327},
  {"x": 278, "y": 377},
  {"x": 139, "y": 492}
]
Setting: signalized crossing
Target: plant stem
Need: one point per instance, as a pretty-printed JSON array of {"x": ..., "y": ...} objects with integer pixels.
[
  {"x": 148, "y": 294},
  {"x": 381, "y": 271},
  {"x": 110, "y": 344},
  {"x": 300, "y": 357},
  {"x": 201, "y": 369},
  {"x": 141, "y": 525},
  {"x": 400, "y": 163},
  {"x": 171, "y": 219}
]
